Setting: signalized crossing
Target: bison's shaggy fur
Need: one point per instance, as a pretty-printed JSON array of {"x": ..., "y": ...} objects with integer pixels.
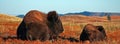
[
  {"x": 93, "y": 33},
  {"x": 38, "y": 25}
]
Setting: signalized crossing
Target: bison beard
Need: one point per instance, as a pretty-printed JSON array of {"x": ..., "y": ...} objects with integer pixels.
[
  {"x": 93, "y": 33},
  {"x": 38, "y": 25}
]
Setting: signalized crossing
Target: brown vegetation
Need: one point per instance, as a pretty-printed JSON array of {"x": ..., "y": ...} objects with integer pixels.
[{"x": 72, "y": 29}]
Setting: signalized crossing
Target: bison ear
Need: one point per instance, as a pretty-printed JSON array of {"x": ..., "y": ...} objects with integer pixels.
[{"x": 52, "y": 16}]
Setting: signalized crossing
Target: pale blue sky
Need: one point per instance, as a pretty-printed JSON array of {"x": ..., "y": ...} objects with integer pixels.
[{"x": 15, "y": 7}]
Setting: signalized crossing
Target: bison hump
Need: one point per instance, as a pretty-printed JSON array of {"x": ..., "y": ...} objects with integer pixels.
[{"x": 34, "y": 16}]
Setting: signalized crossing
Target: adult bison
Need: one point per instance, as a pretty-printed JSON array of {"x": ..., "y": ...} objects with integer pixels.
[
  {"x": 38, "y": 25},
  {"x": 93, "y": 33}
]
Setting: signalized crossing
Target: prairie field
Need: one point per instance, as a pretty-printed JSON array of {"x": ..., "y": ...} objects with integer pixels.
[{"x": 73, "y": 25}]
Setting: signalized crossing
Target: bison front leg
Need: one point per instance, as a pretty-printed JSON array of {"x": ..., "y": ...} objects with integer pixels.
[{"x": 21, "y": 31}]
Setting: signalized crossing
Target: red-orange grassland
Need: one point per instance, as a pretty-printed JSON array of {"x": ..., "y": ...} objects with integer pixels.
[{"x": 73, "y": 26}]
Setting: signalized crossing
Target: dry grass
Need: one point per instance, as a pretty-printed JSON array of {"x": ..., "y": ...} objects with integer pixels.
[
  {"x": 73, "y": 26},
  {"x": 7, "y": 18}
]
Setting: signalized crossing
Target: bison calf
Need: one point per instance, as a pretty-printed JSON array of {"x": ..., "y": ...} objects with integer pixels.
[{"x": 93, "y": 33}]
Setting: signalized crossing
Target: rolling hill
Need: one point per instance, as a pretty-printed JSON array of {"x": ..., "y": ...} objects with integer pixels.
[
  {"x": 7, "y": 18},
  {"x": 82, "y": 19}
]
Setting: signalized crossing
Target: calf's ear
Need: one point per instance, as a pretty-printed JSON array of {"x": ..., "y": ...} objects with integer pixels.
[{"x": 52, "y": 16}]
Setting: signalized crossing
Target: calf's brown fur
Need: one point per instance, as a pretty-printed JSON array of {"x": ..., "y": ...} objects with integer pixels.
[{"x": 93, "y": 33}]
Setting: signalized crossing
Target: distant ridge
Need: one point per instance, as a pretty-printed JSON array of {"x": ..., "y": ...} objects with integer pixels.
[
  {"x": 87, "y": 13},
  {"x": 20, "y": 16}
]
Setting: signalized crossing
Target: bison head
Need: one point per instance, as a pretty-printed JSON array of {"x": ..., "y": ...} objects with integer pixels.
[
  {"x": 55, "y": 23},
  {"x": 102, "y": 30}
]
